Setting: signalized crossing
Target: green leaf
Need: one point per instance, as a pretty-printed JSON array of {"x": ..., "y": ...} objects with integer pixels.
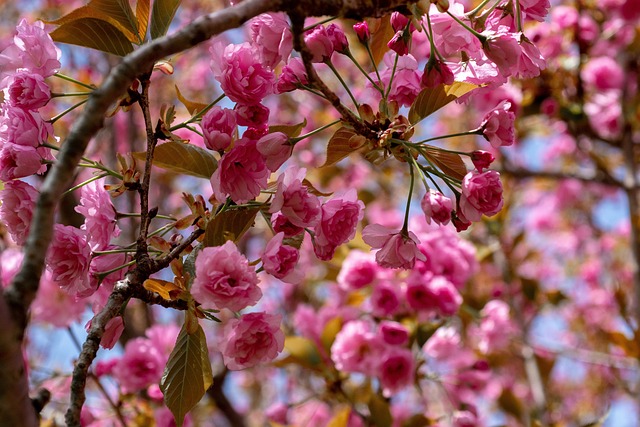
[
  {"x": 161, "y": 16},
  {"x": 380, "y": 37},
  {"x": 229, "y": 225},
  {"x": 182, "y": 158},
  {"x": 449, "y": 163},
  {"x": 95, "y": 34},
  {"x": 380, "y": 411},
  {"x": 344, "y": 142},
  {"x": 430, "y": 100},
  {"x": 115, "y": 12},
  {"x": 290, "y": 130},
  {"x": 142, "y": 16},
  {"x": 192, "y": 106},
  {"x": 187, "y": 375}
]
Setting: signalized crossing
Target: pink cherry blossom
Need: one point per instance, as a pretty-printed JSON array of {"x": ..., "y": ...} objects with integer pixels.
[
  {"x": 241, "y": 173},
  {"x": 10, "y": 262},
  {"x": 279, "y": 260},
  {"x": 357, "y": 271},
  {"x": 280, "y": 223},
  {"x": 530, "y": 61},
  {"x": 18, "y": 161},
  {"x": 498, "y": 125},
  {"x": 27, "y": 91},
  {"x": 99, "y": 214},
  {"x": 21, "y": 127},
  {"x": 535, "y": 9},
  {"x": 481, "y": 159},
  {"x": 394, "y": 333},
  {"x": 224, "y": 279},
  {"x": 362, "y": 31},
  {"x": 140, "y": 366},
  {"x": 319, "y": 44},
  {"x": 294, "y": 200},
  {"x": 386, "y": 299},
  {"x": 338, "y": 222},
  {"x": 449, "y": 36},
  {"x": 399, "y": 43},
  {"x": 397, "y": 249},
  {"x": 436, "y": 206},
  {"x": 218, "y": 128},
  {"x": 276, "y": 149},
  {"x": 356, "y": 348},
  {"x": 436, "y": 73},
  {"x": 481, "y": 194},
  {"x": 18, "y": 200},
  {"x": 32, "y": 49},
  {"x": 252, "y": 339},
  {"x": 254, "y": 115},
  {"x": 396, "y": 370},
  {"x": 503, "y": 49},
  {"x": 68, "y": 260},
  {"x": 338, "y": 38},
  {"x": 54, "y": 306},
  {"x": 271, "y": 35},
  {"x": 602, "y": 73},
  {"x": 496, "y": 327},
  {"x": 293, "y": 74},
  {"x": 400, "y": 21},
  {"x": 112, "y": 332},
  {"x": 242, "y": 76}
]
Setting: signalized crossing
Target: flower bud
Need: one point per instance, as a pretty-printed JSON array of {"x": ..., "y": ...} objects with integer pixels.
[{"x": 362, "y": 31}]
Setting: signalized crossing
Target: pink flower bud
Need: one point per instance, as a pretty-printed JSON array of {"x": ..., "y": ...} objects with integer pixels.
[
  {"x": 319, "y": 43},
  {"x": 400, "y": 43},
  {"x": 436, "y": 73},
  {"x": 399, "y": 21},
  {"x": 482, "y": 159},
  {"x": 437, "y": 207},
  {"x": 293, "y": 75},
  {"x": 362, "y": 31},
  {"x": 338, "y": 38}
]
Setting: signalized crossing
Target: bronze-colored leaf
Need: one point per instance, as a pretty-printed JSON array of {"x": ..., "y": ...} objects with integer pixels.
[
  {"x": 311, "y": 189},
  {"x": 449, "y": 163},
  {"x": 339, "y": 146},
  {"x": 430, "y": 100},
  {"x": 331, "y": 329},
  {"x": 161, "y": 287},
  {"x": 301, "y": 351},
  {"x": 95, "y": 34},
  {"x": 192, "y": 106},
  {"x": 341, "y": 418},
  {"x": 161, "y": 16},
  {"x": 182, "y": 158},
  {"x": 380, "y": 411},
  {"x": 380, "y": 36},
  {"x": 290, "y": 130},
  {"x": 142, "y": 16},
  {"x": 115, "y": 12},
  {"x": 229, "y": 225}
]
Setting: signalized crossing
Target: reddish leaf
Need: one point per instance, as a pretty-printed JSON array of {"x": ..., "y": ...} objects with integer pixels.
[
  {"x": 340, "y": 146},
  {"x": 430, "y": 100},
  {"x": 449, "y": 163}
]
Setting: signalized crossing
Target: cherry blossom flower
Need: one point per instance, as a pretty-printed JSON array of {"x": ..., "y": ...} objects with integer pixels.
[
  {"x": 397, "y": 249},
  {"x": 339, "y": 219},
  {"x": 242, "y": 76},
  {"x": 271, "y": 35},
  {"x": 27, "y": 91},
  {"x": 68, "y": 260},
  {"x": 18, "y": 200},
  {"x": 241, "y": 173},
  {"x": 481, "y": 194},
  {"x": 356, "y": 348},
  {"x": 252, "y": 339},
  {"x": 140, "y": 366},
  {"x": 436, "y": 206},
  {"x": 276, "y": 149},
  {"x": 396, "y": 370},
  {"x": 498, "y": 125},
  {"x": 293, "y": 199},
  {"x": 218, "y": 128},
  {"x": 224, "y": 279},
  {"x": 32, "y": 49},
  {"x": 99, "y": 214},
  {"x": 319, "y": 44},
  {"x": 279, "y": 260}
]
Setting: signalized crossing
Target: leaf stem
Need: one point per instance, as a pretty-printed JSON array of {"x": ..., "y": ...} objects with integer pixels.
[
  {"x": 405, "y": 225},
  {"x": 452, "y": 135},
  {"x": 313, "y": 132},
  {"x": 82, "y": 184},
  {"x": 68, "y": 110},
  {"x": 72, "y": 80},
  {"x": 324, "y": 21},
  {"x": 357, "y": 64},
  {"x": 337, "y": 74},
  {"x": 480, "y": 37},
  {"x": 60, "y": 95}
]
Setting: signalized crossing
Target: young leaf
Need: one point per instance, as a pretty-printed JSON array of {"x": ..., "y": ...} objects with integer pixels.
[
  {"x": 301, "y": 351},
  {"x": 330, "y": 331},
  {"x": 142, "y": 16},
  {"x": 380, "y": 37},
  {"x": 449, "y": 163},
  {"x": 193, "y": 107},
  {"x": 161, "y": 16},
  {"x": 95, "y": 34},
  {"x": 187, "y": 375},
  {"x": 290, "y": 130},
  {"x": 115, "y": 12},
  {"x": 380, "y": 411},
  {"x": 161, "y": 287},
  {"x": 311, "y": 189},
  {"x": 229, "y": 225},
  {"x": 340, "y": 146},
  {"x": 430, "y": 100},
  {"x": 182, "y": 158},
  {"x": 341, "y": 418}
]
